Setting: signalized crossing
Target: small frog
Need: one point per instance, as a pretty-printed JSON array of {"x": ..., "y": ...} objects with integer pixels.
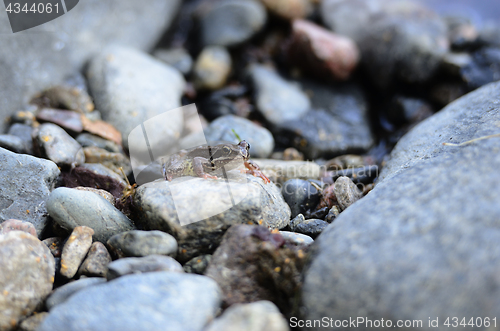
[{"x": 199, "y": 161}]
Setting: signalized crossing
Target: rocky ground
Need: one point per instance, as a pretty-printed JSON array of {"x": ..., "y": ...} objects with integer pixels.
[{"x": 376, "y": 121}]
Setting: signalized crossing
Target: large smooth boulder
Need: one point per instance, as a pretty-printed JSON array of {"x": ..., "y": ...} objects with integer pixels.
[{"x": 424, "y": 242}]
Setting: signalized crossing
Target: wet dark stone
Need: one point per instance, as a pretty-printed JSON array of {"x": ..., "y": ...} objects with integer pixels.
[
  {"x": 198, "y": 264},
  {"x": 254, "y": 264},
  {"x": 96, "y": 262},
  {"x": 300, "y": 195},
  {"x": 338, "y": 124},
  {"x": 310, "y": 227}
]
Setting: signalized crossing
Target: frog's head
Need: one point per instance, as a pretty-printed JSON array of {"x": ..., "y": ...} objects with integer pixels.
[{"x": 244, "y": 148}]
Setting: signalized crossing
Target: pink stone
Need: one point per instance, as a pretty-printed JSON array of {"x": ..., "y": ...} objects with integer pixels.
[
  {"x": 322, "y": 52},
  {"x": 17, "y": 225}
]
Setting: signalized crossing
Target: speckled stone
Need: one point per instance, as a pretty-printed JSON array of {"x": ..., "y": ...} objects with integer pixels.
[
  {"x": 17, "y": 225},
  {"x": 75, "y": 249},
  {"x": 346, "y": 192},
  {"x": 27, "y": 276},
  {"x": 52, "y": 142},
  {"x": 26, "y": 184},
  {"x": 96, "y": 262},
  {"x": 212, "y": 68}
]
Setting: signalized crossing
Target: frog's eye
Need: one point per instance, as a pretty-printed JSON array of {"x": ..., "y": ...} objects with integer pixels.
[{"x": 248, "y": 146}]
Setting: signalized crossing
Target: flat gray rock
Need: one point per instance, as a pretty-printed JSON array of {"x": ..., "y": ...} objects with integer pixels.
[
  {"x": 47, "y": 54},
  {"x": 71, "y": 208},
  {"x": 162, "y": 301},
  {"x": 142, "y": 243},
  {"x": 62, "y": 293},
  {"x": 424, "y": 242},
  {"x": 198, "y": 211},
  {"x": 130, "y": 87},
  {"x": 27, "y": 276},
  {"x": 26, "y": 183}
]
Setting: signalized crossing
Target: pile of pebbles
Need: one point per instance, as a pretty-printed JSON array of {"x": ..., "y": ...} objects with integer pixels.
[{"x": 322, "y": 91}]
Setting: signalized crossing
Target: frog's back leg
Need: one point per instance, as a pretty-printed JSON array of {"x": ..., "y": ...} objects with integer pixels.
[{"x": 198, "y": 166}]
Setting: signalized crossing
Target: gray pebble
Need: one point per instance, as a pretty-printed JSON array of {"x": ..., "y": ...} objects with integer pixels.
[
  {"x": 178, "y": 58},
  {"x": 96, "y": 262},
  {"x": 198, "y": 264},
  {"x": 26, "y": 183},
  {"x": 23, "y": 131},
  {"x": 137, "y": 265},
  {"x": 256, "y": 316},
  {"x": 13, "y": 143},
  {"x": 130, "y": 87},
  {"x": 346, "y": 192},
  {"x": 71, "y": 208},
  {"x": 311, "y": 227},
  {"x": 153, "y": 301},
  {"x": 138, "y": 243},
  {"x": 63, "y": 293},
  {"x": 277, "y": 99},
  {"x": 75, "y": 249},
  {"x": 90, "y": 140},
  {"x": 113, "y": 161},
  {"x": 57, "y": 145},
  {"x": 260, "y": 139},
  {"x": 230, "y": 23},
  {"x": 27, "y": 276}
]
